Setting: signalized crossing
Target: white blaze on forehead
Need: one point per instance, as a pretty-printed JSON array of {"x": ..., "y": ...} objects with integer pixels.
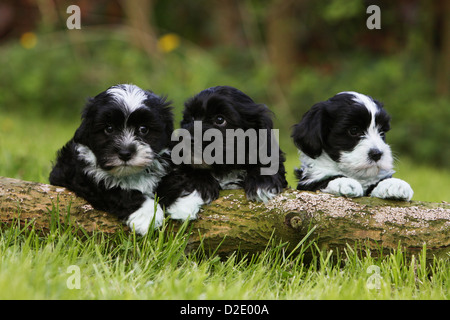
[
  {"x": 131, "y": 96},
  {"x": 364, "y": 100}
]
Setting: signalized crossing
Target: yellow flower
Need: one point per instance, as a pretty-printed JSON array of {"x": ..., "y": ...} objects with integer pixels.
[
  {"x": 28, "y": 40},
  {"x": 168, "y": 42}
]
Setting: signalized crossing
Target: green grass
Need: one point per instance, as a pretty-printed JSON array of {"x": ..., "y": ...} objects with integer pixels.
[
  {"x": 28, "y": 145},
  {"x": 155, "y": 267},
  {"x": 124, "y": 266}
]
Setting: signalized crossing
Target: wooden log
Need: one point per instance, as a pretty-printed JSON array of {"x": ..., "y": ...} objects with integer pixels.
[
  {"x": 33, "y": 202},
  {"x": 232, "y": 222}
]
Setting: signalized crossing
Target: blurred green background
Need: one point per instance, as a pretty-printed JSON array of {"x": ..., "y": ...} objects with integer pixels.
[{"x": 286, "y": 54}]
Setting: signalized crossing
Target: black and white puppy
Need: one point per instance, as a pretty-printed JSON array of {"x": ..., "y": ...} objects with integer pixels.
[
  {"x": 223, "y": 109},
  {"x": 119, "y": 154},
  {"x": 343, "y": 149}
]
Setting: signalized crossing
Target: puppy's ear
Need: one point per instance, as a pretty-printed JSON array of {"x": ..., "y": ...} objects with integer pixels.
[
  {"x": 264, "y": 117},
  {"x": 82, "y": 135},
  {"x": 255, "y": 116},
  {"x": 166, "y": 115},
  {"x": 309, "y": 134}
]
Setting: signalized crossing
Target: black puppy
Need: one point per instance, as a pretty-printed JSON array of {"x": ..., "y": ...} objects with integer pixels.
[
  {"x": 230, "y": 145},
  {"x": 119, "y": 154},
  {"x": 344, "y": 151}
]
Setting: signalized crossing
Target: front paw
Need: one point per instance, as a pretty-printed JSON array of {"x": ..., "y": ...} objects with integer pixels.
[
  {"x": 187, "y": 207},
  {"x": 262, "y": 194},
  {"x": 346, "y": 187},
  {"x": 393, "y": 188},
  {"x": 141, "y": 219},
  {"x": 262, "y": 189}
]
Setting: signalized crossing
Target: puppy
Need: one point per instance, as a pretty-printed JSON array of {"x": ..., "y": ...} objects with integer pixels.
[
  {"x": 344, "y": 152},
  {"x": 221, "y": 111},
  {"x": 119, "y": 154}
]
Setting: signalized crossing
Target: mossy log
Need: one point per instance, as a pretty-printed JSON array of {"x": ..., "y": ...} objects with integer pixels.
[{"x": 233, "y": 223}]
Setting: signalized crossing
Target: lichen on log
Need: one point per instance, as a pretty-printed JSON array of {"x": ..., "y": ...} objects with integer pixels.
[{"x": 233, "y": 223}]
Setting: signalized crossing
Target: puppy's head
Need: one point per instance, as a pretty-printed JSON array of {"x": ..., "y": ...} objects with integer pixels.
[
  {"x": 223, "y": 108},
  {"x": 125, "y": 128},
  {"x": 350, "y": 128}
]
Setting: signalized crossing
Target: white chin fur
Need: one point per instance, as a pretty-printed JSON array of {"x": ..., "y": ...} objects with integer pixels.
[
  {"x": 187, "y": 207},
  {"x": 142, "y": 219},
  {"x": 143, "y": 158},
  {"x": 356, "y": 163},
  {"x": 143, "y": 179}
]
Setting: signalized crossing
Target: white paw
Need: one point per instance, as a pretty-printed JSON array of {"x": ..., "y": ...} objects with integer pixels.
[
  {"x": 186, "y": 207},
  {"x": 393, "y": 188},
  {"x": 265, "y": 195},
  {"x": 141, "y": 219},
  {"x": 346, "y": 187}
]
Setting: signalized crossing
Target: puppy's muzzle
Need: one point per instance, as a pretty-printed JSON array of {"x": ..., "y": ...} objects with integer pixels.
[
  {"x": 126, "y": 153},
  {"x": 375, "y": 154}
]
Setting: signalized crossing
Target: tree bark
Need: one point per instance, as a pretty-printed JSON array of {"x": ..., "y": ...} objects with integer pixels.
[
  {"x": 233, "y": 223},
  {"x": 142, "y": 31},
  {"x": 281, "y": 35}
]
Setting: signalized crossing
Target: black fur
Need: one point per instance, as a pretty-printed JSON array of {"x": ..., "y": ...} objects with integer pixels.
[
  {"x": 324, "y": 128},
  {"x": 239, "y": 111},
  {"x": 105, "y": 120},
  {"x": 335, "y": 127}
]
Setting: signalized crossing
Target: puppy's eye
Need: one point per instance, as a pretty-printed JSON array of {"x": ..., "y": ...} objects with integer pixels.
[
  {"x": 109, "y": 129},
  {"x": 220, "y": 121},
  {"x": 143, "y": 130},
  {"x": 354, "y": 131}
]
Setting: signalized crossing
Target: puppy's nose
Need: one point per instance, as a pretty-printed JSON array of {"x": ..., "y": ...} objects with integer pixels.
[
  {"x": 375, "y": 154},
  {"x": 125, "y": 154}
]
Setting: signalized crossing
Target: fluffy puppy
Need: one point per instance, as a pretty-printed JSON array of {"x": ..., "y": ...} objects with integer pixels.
[
  {"x": 222, "y": 110},
  {"x": 342, "y": 141},
  {"x": 119, "y": 154}
]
